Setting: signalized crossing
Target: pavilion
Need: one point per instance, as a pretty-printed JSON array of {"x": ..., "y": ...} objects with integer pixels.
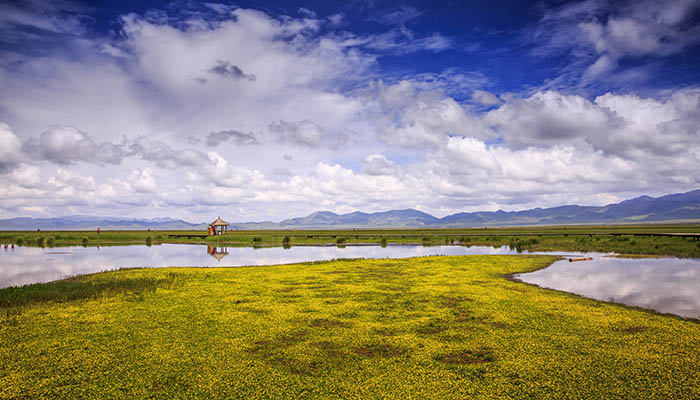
[{"x": 219, "y": 227}]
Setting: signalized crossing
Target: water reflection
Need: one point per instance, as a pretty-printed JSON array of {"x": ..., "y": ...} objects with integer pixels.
[
  {"x": 217, "y": 252},
  {"x": 667, "y": 285},
  {"x": 23, "y": 265}
]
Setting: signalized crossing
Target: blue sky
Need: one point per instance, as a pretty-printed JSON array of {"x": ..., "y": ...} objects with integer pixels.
[{"x": 268, "y": 110}]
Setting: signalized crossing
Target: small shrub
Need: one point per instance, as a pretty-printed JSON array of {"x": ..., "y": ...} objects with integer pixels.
[
  {"x": 426, "y": 238},
  {"x": 383, "y": 242},
  {"x": 149, "y": 241},
  {"x": 286, "y": 242},
  {"x": 257, "y": 239},
  {"x": 50, "y": 241},
  {"x": 340, "y": 240},
  {"x": 40, "y": 242},
  {"x": 85, "y": 242},
  {"x": 19, "y": 241}
]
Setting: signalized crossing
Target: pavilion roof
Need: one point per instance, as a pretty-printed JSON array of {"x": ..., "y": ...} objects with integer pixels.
[{"x": 219, "y": 222}]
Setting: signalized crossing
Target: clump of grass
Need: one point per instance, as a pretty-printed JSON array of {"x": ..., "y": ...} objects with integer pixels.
[
  {"x": 40, "y": 242},
  {"x": 149, "y": 241},
  {"x": 81, "y": 288},
  {"x": 340, "y": 240},
  {"x": 382, "y": 242},
  {"x": 286, "y": 242},
  {"x": 85, "y": 242},
  {"x": 50, "y": 241},
  {"x": 257, "y": 240}
]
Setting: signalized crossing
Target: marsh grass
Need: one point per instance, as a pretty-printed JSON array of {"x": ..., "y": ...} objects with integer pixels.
[
  {"x": 82, "y": 287},
  {"x": 576, "y": 238}
]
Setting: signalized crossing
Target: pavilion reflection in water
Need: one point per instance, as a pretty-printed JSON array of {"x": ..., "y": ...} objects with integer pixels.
[{"x": 217, "y": 252}]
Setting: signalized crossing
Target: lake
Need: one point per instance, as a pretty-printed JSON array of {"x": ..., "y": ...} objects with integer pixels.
[
  {"x": 668, "y": 285},
  {"x": 663, "y": 284}
]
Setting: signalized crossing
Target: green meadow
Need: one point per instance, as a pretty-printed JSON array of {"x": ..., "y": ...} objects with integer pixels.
[
  {"x": 622, "y": 239},
  {"x": 433, "y": 327}
]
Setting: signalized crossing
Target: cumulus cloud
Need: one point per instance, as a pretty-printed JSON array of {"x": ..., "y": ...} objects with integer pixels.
[
  {"x": 10, "y": 151},
  {"x": 66, "y": 145},
  {"x": 413, "y": 118},
  {"x": 238, "y": 138},
  {"x": 485, "y": 98},
  {"x": 228, "y": 70},
  {"x": 142, "y": 181},
  {"x": 549, "y": 118},
  {"x": 161, "y": 154},
  {"x": 625, "y": 125},
  {"x": 378, "y": 164},
  {"x": 302, "y": 133}
]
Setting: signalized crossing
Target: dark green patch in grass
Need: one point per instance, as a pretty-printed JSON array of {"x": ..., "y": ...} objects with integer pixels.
[
  {"x": 82, "y": 288},
  {"x": 452, "y": 301},
  {"x": 432, "y": 328},
  {"x": 386, "y": 331},
  {"x": 327, "y": 323},
  {"x": 295, "y": 366},
  {"x": 633, "y": 329},
  {"x": 329, "y": 294},
  {"x": 380, "y": 350},
  {"x": 330, "y": 349},
  {"x": 479, "y": 356},
  {"x": 452, "y": 338}
]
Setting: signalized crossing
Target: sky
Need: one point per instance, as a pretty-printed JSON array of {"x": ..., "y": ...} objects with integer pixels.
[{"x": 266, "y": 110}]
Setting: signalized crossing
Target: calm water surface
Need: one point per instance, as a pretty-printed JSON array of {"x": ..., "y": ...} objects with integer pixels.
[
  {"x": 23, "y": 265},
  {"x": 669, "y": 285},
  {"x": 663, "y": 284}
]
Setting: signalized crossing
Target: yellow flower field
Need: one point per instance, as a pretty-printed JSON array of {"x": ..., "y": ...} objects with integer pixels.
[{"x": 432, "y": 327}]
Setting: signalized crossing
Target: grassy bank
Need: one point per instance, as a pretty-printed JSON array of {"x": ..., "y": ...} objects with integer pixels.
[
  {"x": 622, "y": 239},
  {"x": 438, "y": 327}
]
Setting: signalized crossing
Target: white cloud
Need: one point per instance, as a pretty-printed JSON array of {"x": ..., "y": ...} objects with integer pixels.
[
  {"x": 485, "y": 98},
  {"x": 142, "y": 181},
  {"x": 10, "y": 151},
  {"x": 66, "y": 144},
  {"x": 598, "y": 34},
  {"x": 302, "y": 133},
  {"x": 316, "y": 128},
  {"x": 378, "y": 164},
  {"x": 412, "y": 118}
]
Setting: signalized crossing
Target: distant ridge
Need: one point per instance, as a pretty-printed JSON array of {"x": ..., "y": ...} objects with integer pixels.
[
  {"x": 643, "y": 209},
  {"x": 84, "y": 222}
]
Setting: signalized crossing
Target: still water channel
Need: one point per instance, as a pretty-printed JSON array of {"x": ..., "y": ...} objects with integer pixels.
[{"x": 664, "y": 284}]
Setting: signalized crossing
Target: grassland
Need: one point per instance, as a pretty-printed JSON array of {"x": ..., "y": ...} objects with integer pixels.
[
  {"x": 623, "y": 239},
  {"x": 438, "y": 327}
]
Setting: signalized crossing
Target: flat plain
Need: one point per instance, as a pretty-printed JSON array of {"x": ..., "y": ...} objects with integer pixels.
[{"x": 432, "y": 327}]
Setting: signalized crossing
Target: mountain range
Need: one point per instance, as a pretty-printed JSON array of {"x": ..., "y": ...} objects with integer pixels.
[{"x": 644, "y": 209}]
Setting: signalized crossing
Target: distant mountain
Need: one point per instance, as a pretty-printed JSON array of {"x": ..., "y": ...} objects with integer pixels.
[
  {"x": 393, "y": 218},
  {"x": 672, "y": 207},
  {"x": 83, "y": 222}
]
